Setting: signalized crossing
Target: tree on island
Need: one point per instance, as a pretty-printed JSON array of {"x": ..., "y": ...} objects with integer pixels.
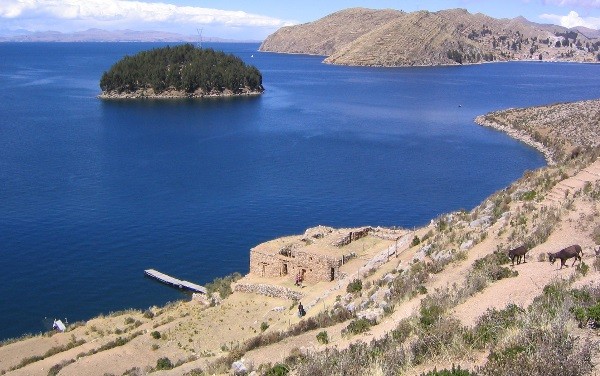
[{"x": 183, "y": 68}]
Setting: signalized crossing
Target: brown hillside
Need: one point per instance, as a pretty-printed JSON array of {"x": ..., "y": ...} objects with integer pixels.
[
  {"x": 392, "y": 38},
  {"x": 324, "y": 36},
  {"x": 393, "y": 44}
]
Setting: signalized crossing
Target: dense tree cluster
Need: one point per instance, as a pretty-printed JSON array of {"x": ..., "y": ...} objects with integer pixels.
[{"x": 184, "y": 68}]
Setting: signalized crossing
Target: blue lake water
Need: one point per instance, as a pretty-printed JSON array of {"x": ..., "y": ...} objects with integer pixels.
[{"x": 94, "y": 192}]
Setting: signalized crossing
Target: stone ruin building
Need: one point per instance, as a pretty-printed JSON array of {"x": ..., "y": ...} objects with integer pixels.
[{"x": 316, "y": 256}]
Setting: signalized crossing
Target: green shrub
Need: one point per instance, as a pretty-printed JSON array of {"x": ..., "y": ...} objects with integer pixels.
[
  {"x": 415, "y": 241},
  {"x": 148, "y": 314},
  {"x": 354, "y": 286},
  {"x": 596, "y": 234},
  {"x": 540, "y": 352},
  {"x": 452, "y": 372},
  {"x": 582, "y": 268},
  {"x": 129, "y": 320},
  {"x": 581, "y": 315},
  {"x": 491, "y": 325},
  {"x": 359, "y": 326},
  {"x": 155, "y": 334},
  {"x": 430, "y": 312},
  {"x": 402, "y": 331},
  {"x": 55, "y": 369},
  {"x": 594, "y": 312},
  {"x": 322, "y": 337},
  {"x": 223, "y": 285},
  {"x": 445, "y": 336},
  {"x": 164, "y": 364},
  {"x": 491, "y": 267},
  {"x": 528, "y": 196},
  {"x": 442, "y": 225},
  {"x": 495, "y": 258},
  {"x": 278, "y": 370},
  {"x": 119, "y": 341},
  {"x": 26, "y": 361},
  {"x": 408, "y": 284},
  {"x": 585, "y": 314},
  {"x": 264, "y": 326}
]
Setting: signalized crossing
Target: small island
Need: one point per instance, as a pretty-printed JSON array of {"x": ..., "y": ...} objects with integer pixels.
[{"x": 182, "y": 71}]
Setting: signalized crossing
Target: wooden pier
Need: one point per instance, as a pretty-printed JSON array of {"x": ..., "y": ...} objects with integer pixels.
[{"x": 167, "y": 279}]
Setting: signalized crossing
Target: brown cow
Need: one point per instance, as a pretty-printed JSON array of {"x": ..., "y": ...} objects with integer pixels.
[
  {"x": 567, "y": 253},
  {"x": 517, "y": 253}
]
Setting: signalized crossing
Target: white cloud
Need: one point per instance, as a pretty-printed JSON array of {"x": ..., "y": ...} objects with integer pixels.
[
  {"x": 574, "y": 3},
  {"x": 124, "y": 13},
  {"x": 573, "y": 19}
]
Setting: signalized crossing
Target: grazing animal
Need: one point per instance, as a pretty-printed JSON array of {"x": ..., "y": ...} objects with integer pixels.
[
  {"x": 565, "y": 254},
  {"x": 517, "y": 253}
]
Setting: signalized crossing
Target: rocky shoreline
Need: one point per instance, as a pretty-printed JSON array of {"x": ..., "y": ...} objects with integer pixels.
[
  {"x": 175, "y": 94},
  {"x": 520, "y": 136}
]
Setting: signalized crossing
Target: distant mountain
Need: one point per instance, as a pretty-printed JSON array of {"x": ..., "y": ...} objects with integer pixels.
[
  {"x": 99, "y": 35},
  {"x": 367, "y": 37}
]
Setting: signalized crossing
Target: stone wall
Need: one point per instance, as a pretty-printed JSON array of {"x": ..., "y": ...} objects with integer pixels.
[
  {"x": 352, "y": 236},
  {"x": 267, "y": 265},
  {"x": 313, "y": 267},
  {"x": 269, "y": 290}
]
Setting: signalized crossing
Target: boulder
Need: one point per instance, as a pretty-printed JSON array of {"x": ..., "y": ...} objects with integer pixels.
[
  {"x": 371, "y": 314},
  {"x": 482, "y": 222},
  {"x": 467, "y": 244}
]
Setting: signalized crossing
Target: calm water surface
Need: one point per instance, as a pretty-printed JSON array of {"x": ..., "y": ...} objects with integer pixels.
[{"x": 92, "y": 192}]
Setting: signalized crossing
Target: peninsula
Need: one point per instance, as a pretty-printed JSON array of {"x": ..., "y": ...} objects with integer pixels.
[
  {"x": 392, "y": 38},
  {"x": 182, "y": 71}
]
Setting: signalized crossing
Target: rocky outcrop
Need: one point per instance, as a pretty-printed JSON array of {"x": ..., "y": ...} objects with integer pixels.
[
  {"x": 173, "y": 94},
  {"x": 555, "y": 130},
  {"x": 390, "y": 38}
]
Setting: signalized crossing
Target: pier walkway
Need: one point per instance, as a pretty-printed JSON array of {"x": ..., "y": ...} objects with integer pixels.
[{"x": 174, "y": 281}]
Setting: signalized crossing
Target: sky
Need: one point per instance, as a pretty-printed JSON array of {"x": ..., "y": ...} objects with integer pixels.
[{"x": 256, "y": 19}]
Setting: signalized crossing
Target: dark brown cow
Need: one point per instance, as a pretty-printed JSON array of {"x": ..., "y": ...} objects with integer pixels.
[
  {"x": 517, "y": 253},
  {"x": 565, "y": 254}
]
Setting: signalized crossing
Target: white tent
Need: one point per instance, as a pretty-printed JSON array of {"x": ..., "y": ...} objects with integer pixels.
[{"x": 58, "y": 325}]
